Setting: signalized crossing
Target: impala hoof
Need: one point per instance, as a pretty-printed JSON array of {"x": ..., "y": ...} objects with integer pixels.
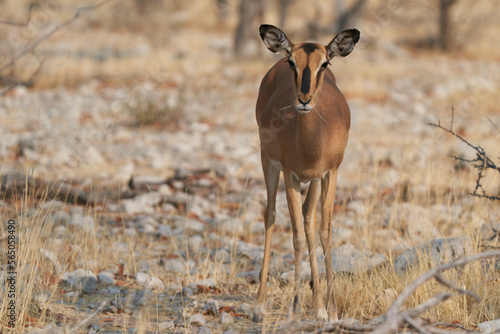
[
  {"x": 322, "y": 315},
  {"x": 258, "y": 314}
]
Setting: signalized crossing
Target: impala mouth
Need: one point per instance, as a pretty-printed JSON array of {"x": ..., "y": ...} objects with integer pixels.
[{"x": 303, "y": 108}]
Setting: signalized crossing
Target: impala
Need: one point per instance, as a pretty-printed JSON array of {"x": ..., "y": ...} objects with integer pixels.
[{"x": 303, "y": 123}]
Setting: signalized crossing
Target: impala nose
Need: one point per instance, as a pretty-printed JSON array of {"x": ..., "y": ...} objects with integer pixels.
[{"x": 304, "y": 103}]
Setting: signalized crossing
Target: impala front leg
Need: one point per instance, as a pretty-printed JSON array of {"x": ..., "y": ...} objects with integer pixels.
[
  {"x": 309, "y": 209},
  {"x": 294, "y": 200},
  {"x": 271, "y": 177},
  {"x": 328, "y": 185}
]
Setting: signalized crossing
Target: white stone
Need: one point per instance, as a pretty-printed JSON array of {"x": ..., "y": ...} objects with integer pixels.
[
  {"x": 142, "y": 278},
  {"x": 490, "y": 327},
  {"x": 155, "y": 283},
  {"x": 226, "y": 318},
  {"x": 197, "y": 319}
]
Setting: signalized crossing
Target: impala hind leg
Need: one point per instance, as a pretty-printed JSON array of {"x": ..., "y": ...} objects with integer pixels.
[
  {"x": 271, "y": 177},
  {"x": 294, "y": 199},
  {"x": 310, "y": 217},
  {"x": 328, "y": 185}
]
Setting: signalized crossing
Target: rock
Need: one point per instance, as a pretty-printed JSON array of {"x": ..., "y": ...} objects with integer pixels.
[
  {"x": 438, "y": 251},
  {"x": 140, "y": 297},
  {"x": 206, "y": 282},
  {"x": 164, "y": 326},
  {"x": 230, "y": 331},
  {"x": 490, "y": 327},
  {"x": 131, "y": 232},
  {"x": 226, "y": 318},
  {"x": 348, "y": 259},
  {"x": 113, "y": 290},
  {"x": 142, "y": 278},
  {"x": 165, "y": 231},
  {"x": 198, "y": 319},
  {"x": 173, "y": 288},
  {"x": 155, "y": 283},
  {"x": 193, "y": 226},
  {"x": 195, "y": 243},
  {"x": 143, "y": 203},
  {"x": 81, "y": 279},
  {"x": 187, "y": 291},
  {"x": 105, "y": 277},
  {"x": 212, "y": 307},
  {"x": 204, "y": 330},
  {"x": 178, "y": 266},
  {"x": 145, "y": 224},
  {"x": 244, "y": 308}
]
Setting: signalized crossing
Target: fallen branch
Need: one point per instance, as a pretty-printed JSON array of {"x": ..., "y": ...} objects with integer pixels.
[{"x": 394, "y": 319}]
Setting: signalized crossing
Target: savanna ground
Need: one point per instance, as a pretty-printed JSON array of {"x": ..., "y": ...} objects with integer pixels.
[{"x": 162, "y": 98}]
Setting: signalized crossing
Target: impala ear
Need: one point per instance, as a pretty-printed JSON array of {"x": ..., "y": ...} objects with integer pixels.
[
  {"x": 343, "y": 43},
  {"x": 275, "y": 39}
]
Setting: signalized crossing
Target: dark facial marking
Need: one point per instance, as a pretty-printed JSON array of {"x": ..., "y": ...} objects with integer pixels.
[
  {"x": 306, "y": 80},
  {"x": 309, "y": 48}
]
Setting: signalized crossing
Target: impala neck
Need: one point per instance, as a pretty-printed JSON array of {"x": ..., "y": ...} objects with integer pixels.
[{"x": 309, "y": 134}]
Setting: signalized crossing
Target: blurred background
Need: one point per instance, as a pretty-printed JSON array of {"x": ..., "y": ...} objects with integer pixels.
[{"x": 171, "y": 65}]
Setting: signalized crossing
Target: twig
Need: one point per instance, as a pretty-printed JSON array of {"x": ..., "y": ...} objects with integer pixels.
[
  {"x": 482, "y": 162},
  {"x": 30, "y": 48},
  {"x": 458, "y": 289}
]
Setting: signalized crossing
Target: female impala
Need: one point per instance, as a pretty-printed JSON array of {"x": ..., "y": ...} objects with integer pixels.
[{"x": 307, "y": 144}]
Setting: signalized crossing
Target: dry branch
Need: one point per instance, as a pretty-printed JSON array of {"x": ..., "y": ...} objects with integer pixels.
[
  {"x": 30, "y": 49},
  {"x": 394, "y": 319},
  {"x": 481, "y": 163}
]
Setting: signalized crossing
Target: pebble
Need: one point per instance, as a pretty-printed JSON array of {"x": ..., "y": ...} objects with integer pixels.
[
  {"x": 178, "y": 266},
  {"x": 81, "y": 279},
  {"x": 226, "y": 318},
  {"x": 155, "y": 283},
  {"x": 106, "y": 277},
  {"x": 204, "y": 330},
  {"x": 164, "y": 326},
  {"x": 230, "y": 331},
  {"x": 244, "y": 308},
  {"x": 140, "y": 298},
  {"x": 173, "y": 288},
  {"x": 142, "y": 278},
  {"x": 198, "y": 319}
]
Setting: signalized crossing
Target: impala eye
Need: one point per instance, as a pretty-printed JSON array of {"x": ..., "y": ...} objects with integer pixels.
[
  {"x": 324, "y": 65},
  {"x": 291, "y": 63}
]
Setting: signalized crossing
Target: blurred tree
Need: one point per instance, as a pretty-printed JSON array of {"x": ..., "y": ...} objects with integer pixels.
[
  {"x": 148, "y": 6},
  {"x": 346, "y": 17},
  {"x": 222, "y": 8},
  {"x": 284, "y": 6},
  {"x": 445, "y": 27},
  {"x": 247, "y": 39}
]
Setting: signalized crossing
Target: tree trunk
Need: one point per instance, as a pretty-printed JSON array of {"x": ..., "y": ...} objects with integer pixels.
[
  {"x": 445, "y": 29},
  {"x": 247, "y": 33},
  {"x": 346, "y": 17}
]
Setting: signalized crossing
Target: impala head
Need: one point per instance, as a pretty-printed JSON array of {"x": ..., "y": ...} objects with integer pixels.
[{"x": 308, "y": 61}]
